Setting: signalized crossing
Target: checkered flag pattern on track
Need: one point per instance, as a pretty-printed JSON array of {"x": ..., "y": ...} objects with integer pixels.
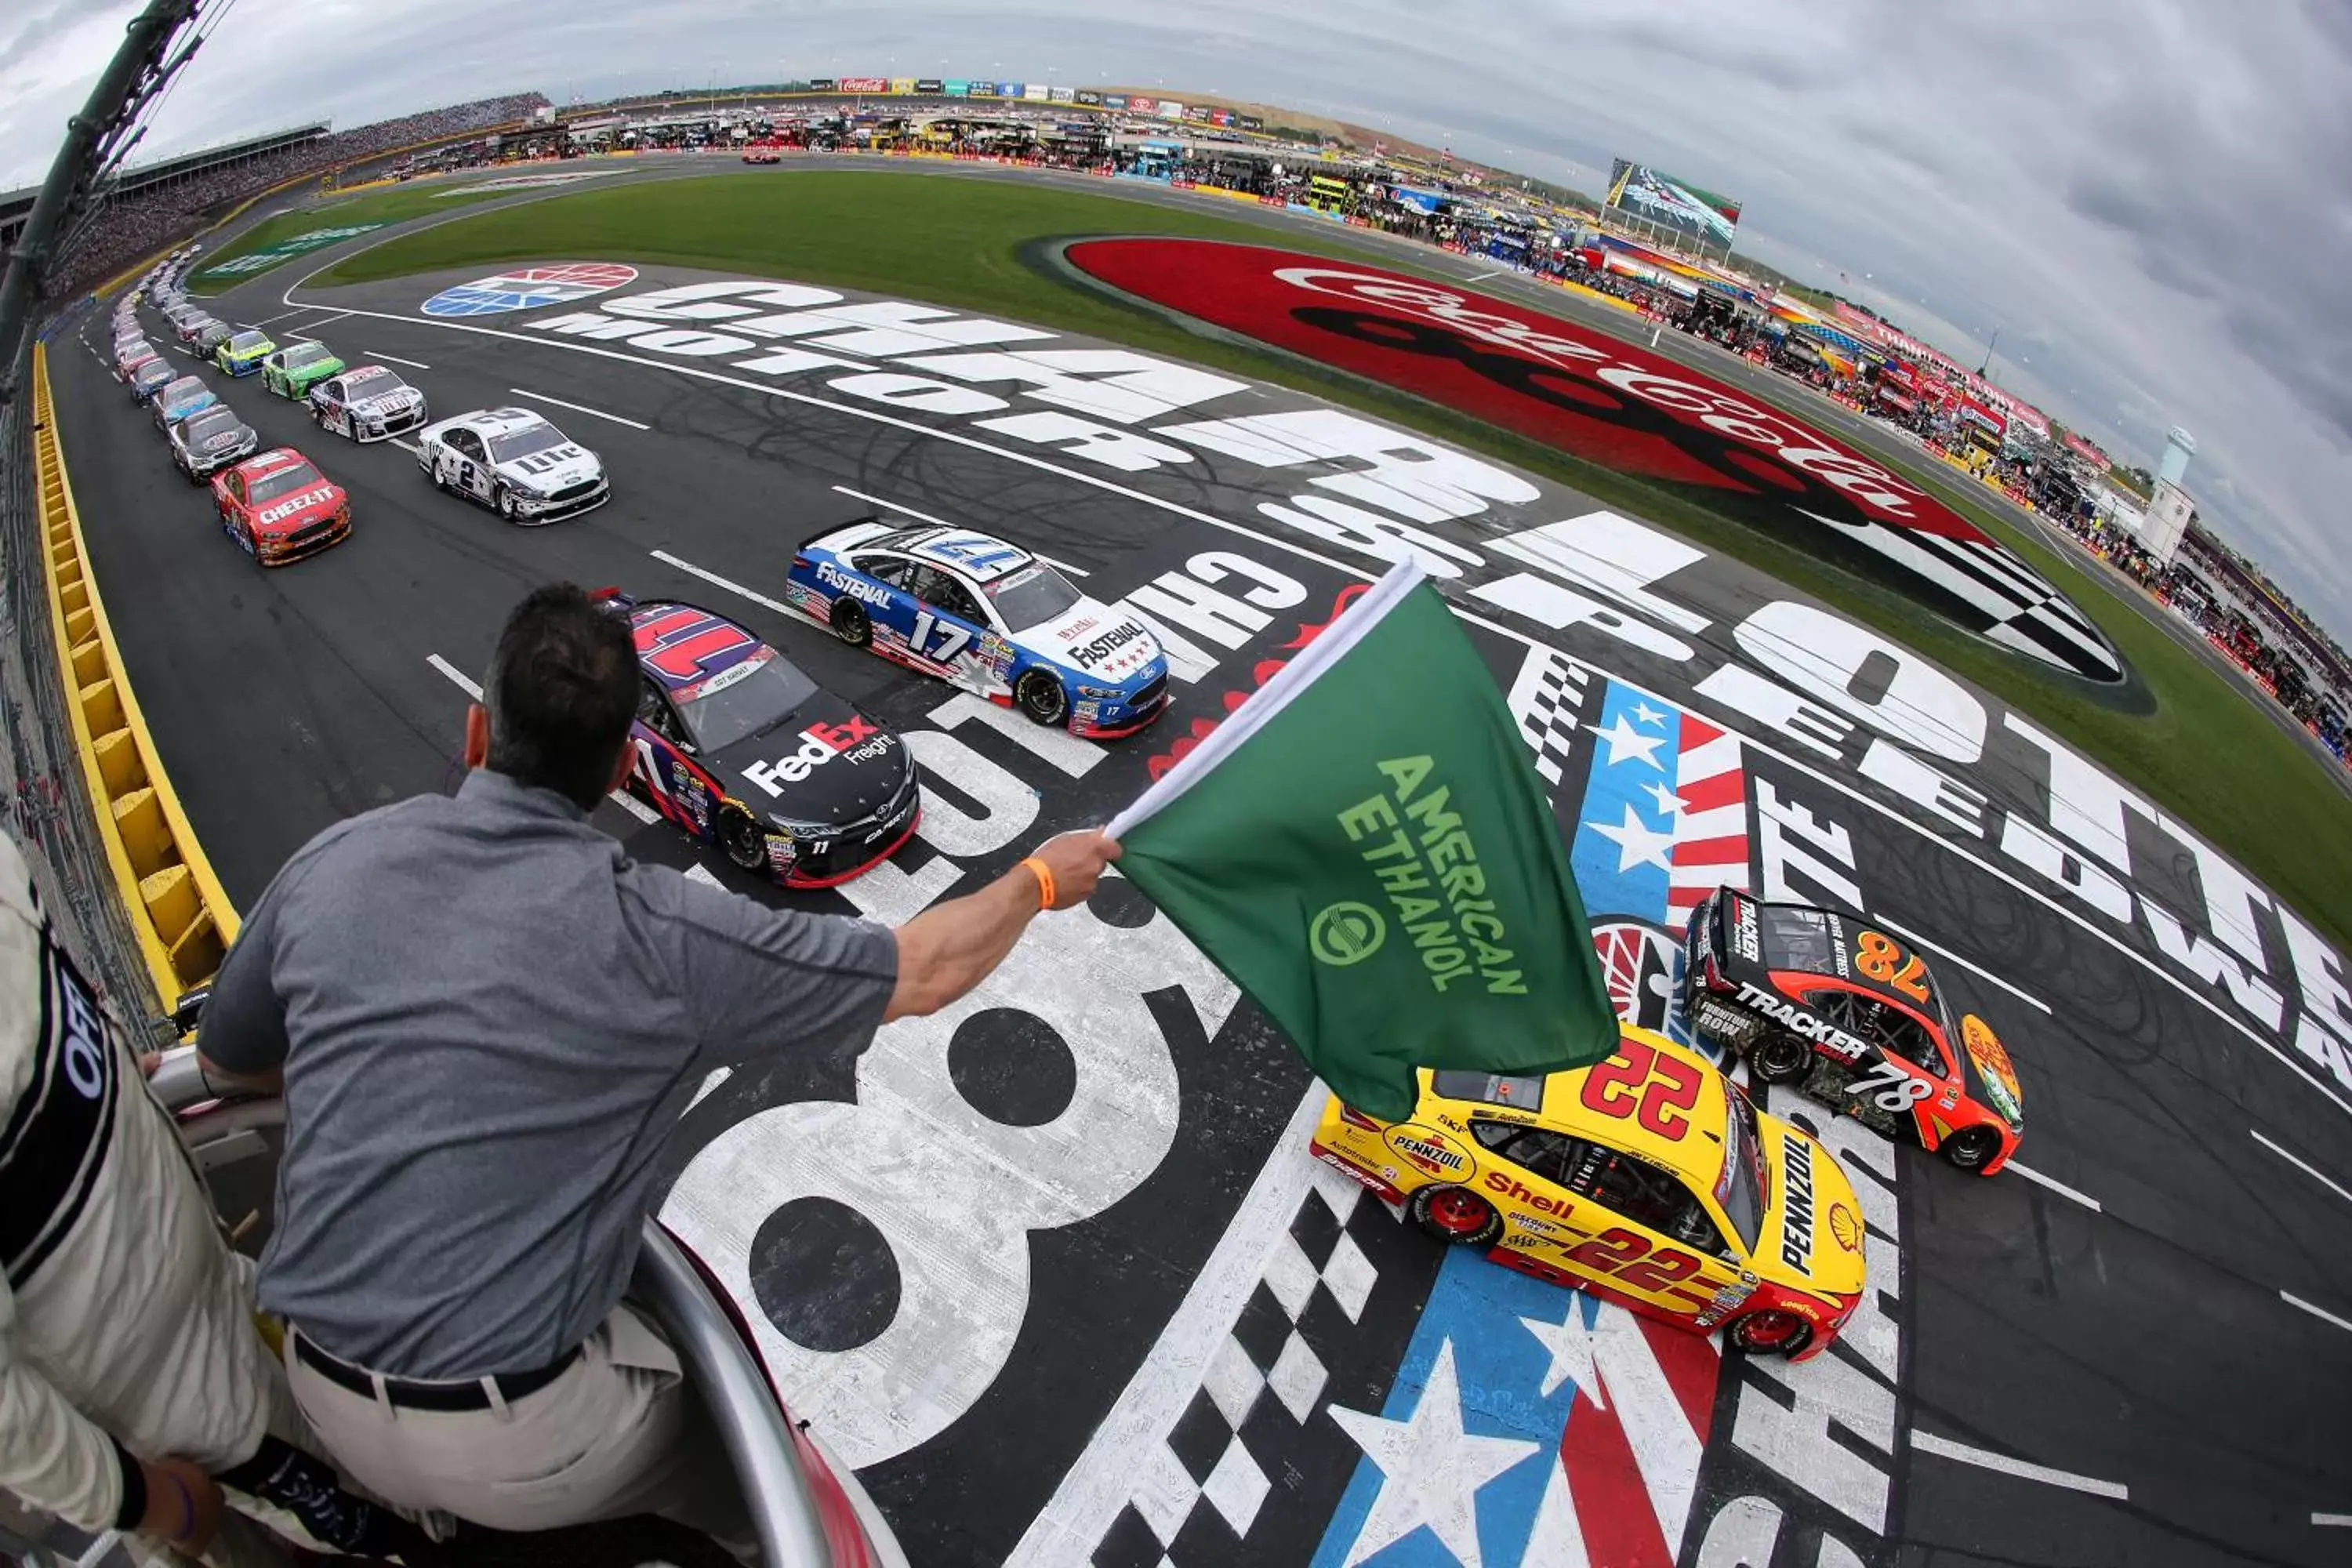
[
  {"x": 1198, "y": 1493},
  {"x": 1544, "y": 699}
]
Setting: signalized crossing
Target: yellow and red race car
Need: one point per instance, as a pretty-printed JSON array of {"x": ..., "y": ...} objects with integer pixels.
[{"x": 1649, "y": 1180}]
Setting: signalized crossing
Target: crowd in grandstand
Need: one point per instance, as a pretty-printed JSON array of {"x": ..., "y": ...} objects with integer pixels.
[{"x": 127, "y": 230}]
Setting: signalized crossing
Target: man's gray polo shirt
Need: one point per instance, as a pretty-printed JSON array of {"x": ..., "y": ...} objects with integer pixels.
[{"x": 490, "y": 1018}]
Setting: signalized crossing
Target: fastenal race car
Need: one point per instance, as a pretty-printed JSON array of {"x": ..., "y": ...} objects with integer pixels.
[
  {"x": 741, "y": 749},
  {"x": 1826, "y": 999},
  {"x": 1649, "y": 1180},
  {"x": 241, "y": 352},
  {"x": 988, "y": 617},
  {"x": 204, "y": 444},
  {"x": 179, "y": 399},
  {"x": 515, "y": 463},
  {"x": 369, "y": 403},
  {"x": 279, "y": 509},
  {"x": 293, "y": 370}
]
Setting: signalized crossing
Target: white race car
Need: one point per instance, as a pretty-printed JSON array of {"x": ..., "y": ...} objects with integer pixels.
[
  {"x": 367, "y": 404},
  {"x": 515, "y": 463}
]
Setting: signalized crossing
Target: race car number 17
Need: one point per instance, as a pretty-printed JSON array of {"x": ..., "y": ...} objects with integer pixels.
[{"x": 953, "y": 638}]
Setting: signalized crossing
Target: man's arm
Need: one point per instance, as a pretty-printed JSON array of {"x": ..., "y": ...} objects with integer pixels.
[
  {"x": 949, "y": 948},
  {"x": 241, "y": 1037}
]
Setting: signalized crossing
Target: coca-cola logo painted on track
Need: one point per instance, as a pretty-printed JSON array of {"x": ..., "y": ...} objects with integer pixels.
[{"x": 1611, "y": 403}]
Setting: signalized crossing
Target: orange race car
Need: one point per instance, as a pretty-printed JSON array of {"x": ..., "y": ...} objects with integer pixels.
[
  {"x": 279, "y": 509},
  {"x": 1649, "y": 1180},
  {"x": 1833, "y": 1002}
]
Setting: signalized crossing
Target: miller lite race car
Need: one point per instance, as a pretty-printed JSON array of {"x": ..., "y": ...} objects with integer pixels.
[
  {"x": 988, "y": 617},
  {"x": 279, "y": 509},
  {"x": 1649, "y": 1180},
  {"x": 738, "y": 747},
  {"x": 368, "y": 404},
  {"x": 515, "y": 463},
  {"x": 1827, "y": 1000}
]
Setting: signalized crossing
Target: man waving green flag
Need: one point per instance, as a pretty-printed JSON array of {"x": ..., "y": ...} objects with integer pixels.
[{"x": 1365, "y": 848}]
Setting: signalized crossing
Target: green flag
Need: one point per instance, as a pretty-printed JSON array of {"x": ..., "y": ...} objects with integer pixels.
[{"x": 1365, "y": 848}]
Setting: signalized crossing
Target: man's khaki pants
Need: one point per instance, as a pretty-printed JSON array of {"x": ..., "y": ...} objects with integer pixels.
[{"x": 619, "y": 1432}]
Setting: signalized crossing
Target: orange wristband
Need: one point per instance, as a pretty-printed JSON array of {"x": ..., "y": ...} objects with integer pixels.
[{"x": 1045, "y": 882}]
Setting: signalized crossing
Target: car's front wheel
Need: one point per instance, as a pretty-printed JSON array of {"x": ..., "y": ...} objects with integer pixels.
[
  {"x": 1971, "y": 1148},
  {"x": 740, "y": 838},
  {"x": 1770, "y": 1331},
  {"x": 1781, "y": 1059},
  {"x": 1041, "y": 697},
  {"x": 1456, "y": 1215},
  {"x": 851, "y": 623},
  {"x": 502, "y": 500}
]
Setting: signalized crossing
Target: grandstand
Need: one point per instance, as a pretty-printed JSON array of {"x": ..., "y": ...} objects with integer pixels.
[{"x": 167, "y": 173}]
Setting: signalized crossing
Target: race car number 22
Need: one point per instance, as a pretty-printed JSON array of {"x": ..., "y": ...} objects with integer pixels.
[{"x": 1652, "y": 1089}]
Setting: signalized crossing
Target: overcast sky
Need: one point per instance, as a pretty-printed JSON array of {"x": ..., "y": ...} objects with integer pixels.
[{"x": 2151, "y": 199}]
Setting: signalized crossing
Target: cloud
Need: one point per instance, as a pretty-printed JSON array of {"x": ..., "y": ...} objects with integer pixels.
[{"x": 2150, "y": 199}]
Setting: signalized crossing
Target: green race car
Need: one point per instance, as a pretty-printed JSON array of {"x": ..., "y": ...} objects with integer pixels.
[
  {"x": 293, "y": 370},
  {"x": 242, "y": 352}
]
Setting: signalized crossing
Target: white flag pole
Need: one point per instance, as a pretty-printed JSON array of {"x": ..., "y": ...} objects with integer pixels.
[{"x": 1271, "y": 699}]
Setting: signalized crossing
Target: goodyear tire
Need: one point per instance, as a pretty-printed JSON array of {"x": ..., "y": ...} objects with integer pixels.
[
  {"x": 1041, "y": 697},
  {"x": 1971, "y": 1148},
  {"x": 1769, "y": 1330},
  {"x": 851, "y": 623},
  {"x": 503, "y": 500},
  {"x": 742, "y": 841},
  {"x": 1456, "y": 1215},
  {"x": 1780, "y": 1057}
]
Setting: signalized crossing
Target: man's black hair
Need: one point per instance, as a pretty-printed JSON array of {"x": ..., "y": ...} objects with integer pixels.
[{"x": 561, "y": 693}]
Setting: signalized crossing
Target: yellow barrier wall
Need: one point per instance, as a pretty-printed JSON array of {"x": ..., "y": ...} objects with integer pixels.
[{"x": 183, "y": 921}]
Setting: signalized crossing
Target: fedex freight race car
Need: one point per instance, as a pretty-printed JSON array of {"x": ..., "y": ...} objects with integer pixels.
[
  {"x": 1825, "y": 997},
  {"x": 369, "y": 403},
  {"x": 985, "y": 616},
  {"x": 279, "y": 509},
  {"x": 1649, "y": 1180},
  {"x": 738, "y": 747},
  {"x": 515, "y": 463}
]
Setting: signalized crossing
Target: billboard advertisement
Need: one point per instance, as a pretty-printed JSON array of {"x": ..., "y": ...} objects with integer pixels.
[
  {"x": 929, "y": 84},
  {"x": 902, "y": 86},
  {"x": 1169, "y": 110},
  {"x": 1249, "y": 121},
  {"x": 983, "y": 89},
  {"x": 1087, "y": 95},
  {"x": 1199, "y": 113},
  {"x": 1060, "y": 95},
  {"x": 1037, "y": 92},
  {"x": 954, "y": 89},
  {"x": 866, "y": 84},
  {"x": 1010, "y": 89},
  {"x": 1691, "y": 211},
  {"x": 820, "y": 84},
  {"x": 1140, "y": 105},
  {"x": 1221, "y": 117}
]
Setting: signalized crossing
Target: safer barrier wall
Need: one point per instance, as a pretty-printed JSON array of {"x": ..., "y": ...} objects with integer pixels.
[{"x": 181, "y": 918}]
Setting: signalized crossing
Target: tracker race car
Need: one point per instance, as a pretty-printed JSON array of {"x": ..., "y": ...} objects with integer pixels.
[
  {"x": 241, "y": 352},
  {"x": 150, "y": 377},
  {"x": 204, "y": 444},
  {"x": 369, "y": 403},
  {"x": 739, "y": 748},
  {"x": 515, "y": 463},
  {"x": 279, "y": 509},
  {"x": 988, "y": 617},
  {"x": 181, "y": 398},
  {"x": 293, "y": 370},
  {"x": 1825, "y": 999},
  {"x": 1649, "y": 1180}
]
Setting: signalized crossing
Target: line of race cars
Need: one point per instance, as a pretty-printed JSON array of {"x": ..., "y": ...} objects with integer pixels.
[{"x": 1651, "y": 1179}]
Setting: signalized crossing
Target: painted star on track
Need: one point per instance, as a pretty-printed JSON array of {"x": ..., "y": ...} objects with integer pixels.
[
  {"x": 1431, "y": 1469},
  {"x": 1624, "y": 740},
  {"x": 1637, "y": 843}
]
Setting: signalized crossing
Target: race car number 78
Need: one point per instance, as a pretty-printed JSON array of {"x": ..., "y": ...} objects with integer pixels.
[{"x": 1896, "y": 1089}]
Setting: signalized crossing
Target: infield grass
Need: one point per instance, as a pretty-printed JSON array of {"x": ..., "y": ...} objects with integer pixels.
[
  {"x": 396, "y": 204},
  {"x": 2203, "y": 751}
]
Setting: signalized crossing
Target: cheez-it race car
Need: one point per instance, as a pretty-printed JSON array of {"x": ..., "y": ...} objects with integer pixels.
[
  {"x": 1828, "y": 1000},
  {"x": 985, "y": 616},
  {"x": 1649, "y": 1180},
  {"x": 739, "y": 748},
  {"x": 279, "y": 509}
]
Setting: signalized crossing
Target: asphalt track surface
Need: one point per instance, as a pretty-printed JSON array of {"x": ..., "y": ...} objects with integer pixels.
[{"x": 2143, "y": 1349}]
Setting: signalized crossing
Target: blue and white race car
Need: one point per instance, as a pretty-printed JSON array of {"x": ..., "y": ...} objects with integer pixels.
[{"x": 988, "y": 617}]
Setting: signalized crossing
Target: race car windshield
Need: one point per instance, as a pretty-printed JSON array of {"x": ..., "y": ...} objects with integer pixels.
[
  {"x": 1031, "y": 596},
  {"x": 181, "y": 390},
  {"x": 211, "y": 423},
  {"x": 1799, "y": 938},
  {"x": 285, "y": 482},
  {"x": 308, "y": 353},
  {"x": 1741, "y": 1189},
  {"x": 377, "y": 386},
  {"x": 734, "y": 707},
  {"x": 244, "y": 341},
  {"x": 523, "y": 443}
]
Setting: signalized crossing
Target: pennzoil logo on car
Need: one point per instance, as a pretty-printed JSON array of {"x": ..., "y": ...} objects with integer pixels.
[
  {"x": 1797, "y": 1207},
  {"x": 1428, "y": 1149}
]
